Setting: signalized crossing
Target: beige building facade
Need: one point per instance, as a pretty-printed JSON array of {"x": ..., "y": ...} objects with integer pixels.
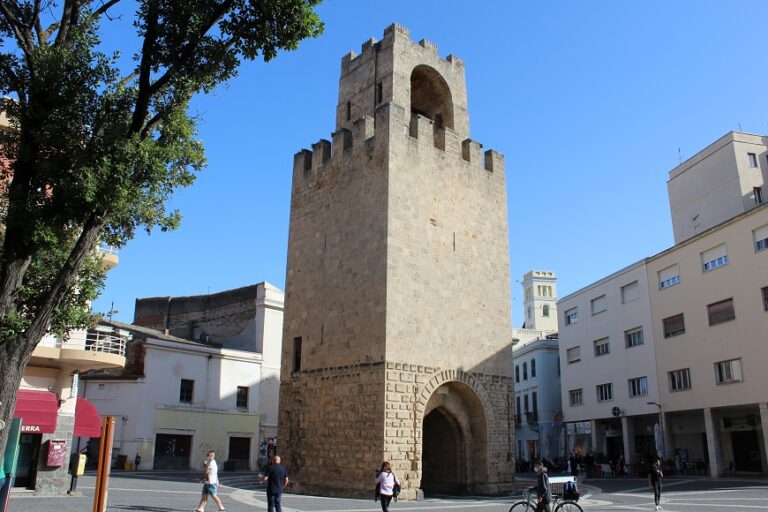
[
  {"x": 710, "y": 329},
  {"x": 703, "y": 310},
  {"x": 397, "y": 339}
]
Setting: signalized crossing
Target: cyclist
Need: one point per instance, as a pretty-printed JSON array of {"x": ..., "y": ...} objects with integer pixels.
[{"x": 543, "y": 492}]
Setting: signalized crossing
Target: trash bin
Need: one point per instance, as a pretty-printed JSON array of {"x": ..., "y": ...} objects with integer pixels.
[{"x": 128, "y": 466}]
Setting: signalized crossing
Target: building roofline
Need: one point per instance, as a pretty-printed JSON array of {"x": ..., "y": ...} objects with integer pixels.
[
  {"x": 159, "y": 335},
  {"x": 605, "y": 279},
  {"x": 731, "y": 136}
]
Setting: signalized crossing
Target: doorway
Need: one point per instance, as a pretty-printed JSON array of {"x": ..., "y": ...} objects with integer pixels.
[
  {"x": 454, "y": 457},
  {"x": 239, "y": 454},
  {"x": 26, "y": 466},
  {"x": 746, "y": 451},
  {"x": 172, "y": 451}
]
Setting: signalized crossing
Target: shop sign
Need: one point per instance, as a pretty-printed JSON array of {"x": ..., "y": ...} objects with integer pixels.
[
  {"x": 30, "y": 428},
  {"x": 580, "y": 427}
]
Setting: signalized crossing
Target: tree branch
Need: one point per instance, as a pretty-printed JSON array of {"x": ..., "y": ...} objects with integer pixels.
[
  {"x": 145, "y": 70},
  {"x": 104, "y": 8},
  {"x": 20, "y": 30}
]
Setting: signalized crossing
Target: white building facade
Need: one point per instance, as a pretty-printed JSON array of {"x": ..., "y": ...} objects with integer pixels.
[{"x": 178, "y": 398}]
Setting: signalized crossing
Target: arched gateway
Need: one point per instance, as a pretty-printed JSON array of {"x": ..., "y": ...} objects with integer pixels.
[{"x": 454, "y": 456}]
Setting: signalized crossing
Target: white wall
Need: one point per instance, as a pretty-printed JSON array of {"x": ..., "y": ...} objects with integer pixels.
[{"x": 621, "y": 363}]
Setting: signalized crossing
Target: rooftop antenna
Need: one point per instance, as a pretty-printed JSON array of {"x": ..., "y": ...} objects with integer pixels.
[
  {"x": 739, "y": 125},
  {"x": 679, "y": 156},
  {"x": 112, "y": 311}
]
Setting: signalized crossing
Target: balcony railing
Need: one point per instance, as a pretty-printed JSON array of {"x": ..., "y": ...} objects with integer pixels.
[{"x": 96, "y": 340}]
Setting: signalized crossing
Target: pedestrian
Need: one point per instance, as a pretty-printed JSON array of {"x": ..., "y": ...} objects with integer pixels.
[
  {"x": 654, "y": 479},
  {"x": 389, "y": 485},
  {"x": 210, "y": 483},
  {"x": 589, "y": 461},
  {"x": 543, "y": 492},
  {"x": 572, "y": 468},
  {"x": 277, "y": 478}
]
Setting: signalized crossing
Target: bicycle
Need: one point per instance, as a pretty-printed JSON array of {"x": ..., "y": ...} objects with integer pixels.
[{"x": 559, "y": 503}]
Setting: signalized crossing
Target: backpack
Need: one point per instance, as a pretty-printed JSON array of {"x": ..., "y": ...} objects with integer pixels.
[{"x": 570, "y": 491}]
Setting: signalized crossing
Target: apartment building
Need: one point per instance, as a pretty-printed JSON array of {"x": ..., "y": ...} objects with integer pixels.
[
  {"x": 608, "y": 366},
  {"x": 685, "y": 381}
]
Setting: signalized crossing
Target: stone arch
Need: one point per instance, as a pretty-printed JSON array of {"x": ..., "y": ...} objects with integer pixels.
[
  {"x": 431, "y": 97},
  {"x": 455, "y": 414}
]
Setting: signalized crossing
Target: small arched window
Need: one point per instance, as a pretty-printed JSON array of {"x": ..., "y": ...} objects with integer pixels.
[{"x": 545, "y": 310}]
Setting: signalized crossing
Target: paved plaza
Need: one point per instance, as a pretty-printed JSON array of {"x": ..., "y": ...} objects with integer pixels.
[{"x": 179, "y": 492}]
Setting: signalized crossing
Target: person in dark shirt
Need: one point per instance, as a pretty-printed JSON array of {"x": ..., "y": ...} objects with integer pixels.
[
  {"x": 654, "y": 478},
  {"x": 276, "y": 478},
  {"x": 543, "y": 492}
]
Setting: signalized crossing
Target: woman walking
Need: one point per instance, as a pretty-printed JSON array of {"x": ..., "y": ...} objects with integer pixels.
[
  {"x": 386, "y": 480},
  {"x": 654, "y": 478}
]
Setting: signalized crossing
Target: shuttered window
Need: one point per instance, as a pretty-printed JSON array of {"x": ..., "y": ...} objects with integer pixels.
[
  {"x": 720, "y": 312},
  {"x": 713, "y": 258},
  {"x": 761, "y": 238},
  {"x": 630, "y": 292},
  {"x": 599, "y": 305},
  {"x": 670, "y": 276}
]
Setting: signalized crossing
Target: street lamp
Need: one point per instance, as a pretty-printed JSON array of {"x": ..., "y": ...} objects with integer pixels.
[{"x": 661, "y": 452}]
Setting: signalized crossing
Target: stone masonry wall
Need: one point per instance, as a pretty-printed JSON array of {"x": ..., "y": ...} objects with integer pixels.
[{"x": 330, "y": 431}]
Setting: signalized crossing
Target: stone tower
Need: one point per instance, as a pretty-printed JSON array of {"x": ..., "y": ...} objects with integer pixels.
[
  {"x": 397, "y": 330},
  {"x": 540, "y": 288}
]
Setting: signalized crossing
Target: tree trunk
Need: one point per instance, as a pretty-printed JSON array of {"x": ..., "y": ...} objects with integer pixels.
[{"x": 13, "y": 360}]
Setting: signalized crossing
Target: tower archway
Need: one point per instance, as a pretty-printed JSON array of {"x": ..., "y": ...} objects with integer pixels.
[
  {"x": 454, "y": 457},
  {"x": 431, "y": 96}
]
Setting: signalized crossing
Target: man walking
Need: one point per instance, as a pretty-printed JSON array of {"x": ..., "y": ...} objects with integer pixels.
[
  {"x": 276, "y": 478},
  {"x": 654, "y": 478},
  {"x": 211, "y": 483}
]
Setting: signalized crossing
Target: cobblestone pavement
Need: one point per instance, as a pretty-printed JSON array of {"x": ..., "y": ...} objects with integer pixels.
[{"x": 180, "y": 492}]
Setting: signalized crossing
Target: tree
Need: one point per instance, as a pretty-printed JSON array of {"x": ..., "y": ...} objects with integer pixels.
[{"x": 95, "y": 151}]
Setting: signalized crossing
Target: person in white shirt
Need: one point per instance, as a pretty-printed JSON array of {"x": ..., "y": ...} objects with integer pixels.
[
  {"x": 386, "y": 480},
  {"x": 210, "y": 483}
]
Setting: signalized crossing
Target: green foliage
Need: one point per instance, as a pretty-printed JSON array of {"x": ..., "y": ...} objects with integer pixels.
[{"x": 98, "y": 150}]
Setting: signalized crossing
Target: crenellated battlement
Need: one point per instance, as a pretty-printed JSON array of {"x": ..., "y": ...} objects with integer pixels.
[
  {"x": 420, "y": 129},
  {"x": 399, "y": 33}
]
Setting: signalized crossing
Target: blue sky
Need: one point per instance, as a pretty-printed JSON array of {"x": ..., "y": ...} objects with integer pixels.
[{"x": 591, "y": 102}]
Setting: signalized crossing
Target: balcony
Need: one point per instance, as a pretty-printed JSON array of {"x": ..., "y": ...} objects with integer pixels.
[
  {"x": 96, "y": 349},
  {"x": 109, "y": 258}
]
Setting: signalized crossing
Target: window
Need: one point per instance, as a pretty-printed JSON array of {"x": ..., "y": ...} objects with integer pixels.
[
  {"x": 517, "y": 373},
  {"x": 728, "y": 371},
  {"x": 576, "y": 397},
  {"x": 242, "y": 397},
  {"x": 602, "y": 347},
  {"x": 517, "y": 410},
  {"x": 604, "y": 392},
  {"x": 379, "y": 92},
  {"x": 761, "y": 238},
  {"x": 571, "y": 316},
  {"x": 720, "y": 312},
  {"x": 533, "y": 368},
  {"x": 349, "y": 110},
  {"x": 752, "y": 159},
  {"x": 545, "y": 310},
  {"x": 525, "y": 371},
  {"x": 186, "y": 391},
  {"x": 297, "y": 354},
  {"x": 525, "y": 403},
  {"x": 670, "y": 276},
  {"x": 679, "y": 380},
  {"x": 599, "y": 305},
  {"x": 633, "y": 337},
  {"x": 573, "y": 355},
  {"x": 765, "y": 297},
  {"x": 713, "y": 258},
  {"x": 535, "y": 403},
  {"x": 638, "y": 386},
  {"x": 758, "y": 193},
  {"x": 630, "y": 292},
  {"x": 674, "y": 325}
]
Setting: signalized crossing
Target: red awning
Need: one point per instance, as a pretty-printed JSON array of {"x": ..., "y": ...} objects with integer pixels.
[
  {"x": 87, "y": 419},
  {"x": 38, "y": 411}
]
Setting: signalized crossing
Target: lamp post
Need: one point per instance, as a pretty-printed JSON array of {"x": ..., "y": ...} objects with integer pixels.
[{"x": 661, "y": 430}]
